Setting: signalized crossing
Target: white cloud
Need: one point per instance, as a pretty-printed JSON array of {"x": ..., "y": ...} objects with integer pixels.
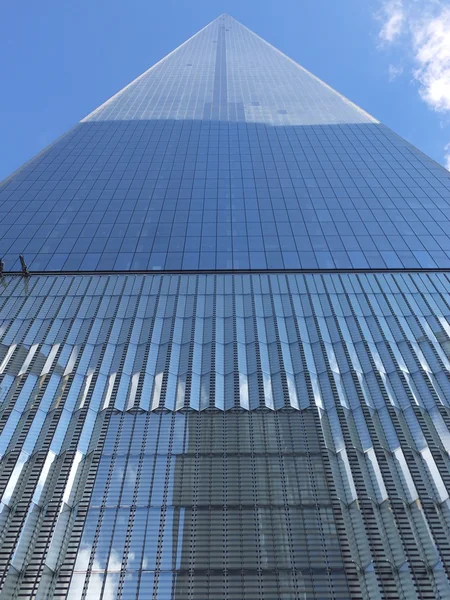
[
  {"x": 392, "y": 17},
  {"x": 96, "y": 579},
  {"x": 447, "y": 157},
  {"x": 394, "y": 71},
  {"x": 431, "y": 44},
  {"x": 423, "y": 27}
]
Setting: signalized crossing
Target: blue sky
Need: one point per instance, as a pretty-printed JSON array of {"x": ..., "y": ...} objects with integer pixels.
[{"x": 62, "y": 59}]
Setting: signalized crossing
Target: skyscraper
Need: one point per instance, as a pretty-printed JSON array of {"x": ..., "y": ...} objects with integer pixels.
[{"x": 225, "y": 371}]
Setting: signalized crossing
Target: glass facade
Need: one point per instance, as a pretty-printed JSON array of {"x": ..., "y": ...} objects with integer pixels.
[
  {"x": 225, "y": 436},
  {"x": 201, "y": 505},
  {"x": 269, "y": 417},
  {"x": 227, "y": 155}
]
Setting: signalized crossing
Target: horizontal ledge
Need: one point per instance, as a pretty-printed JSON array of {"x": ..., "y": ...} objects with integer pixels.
[{"x": 226, "y": 271}]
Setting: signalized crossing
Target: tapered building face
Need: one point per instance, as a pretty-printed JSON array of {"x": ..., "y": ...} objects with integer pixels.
[{"x": 228, "y": 375}]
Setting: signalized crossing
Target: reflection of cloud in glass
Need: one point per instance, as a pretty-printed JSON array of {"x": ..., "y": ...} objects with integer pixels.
[
  {"x": 95, "y": 585},
  {"x": 111, "y": 585},
  {"x": 131, "y": 473},
  {"x": 115, "y": 561},
  {"x": 76, "y": 586}
]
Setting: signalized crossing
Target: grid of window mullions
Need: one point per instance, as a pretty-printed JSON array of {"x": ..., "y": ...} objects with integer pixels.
[
  {"x": 227, "y": 155},
  {"x": 222, "y": 537},
  {"x": 370, "y": 352}
]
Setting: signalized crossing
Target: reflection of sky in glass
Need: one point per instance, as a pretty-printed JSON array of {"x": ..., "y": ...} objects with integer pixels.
[
  {"x": 224, "y": 490},
  {"x": 227, "y": 73},
  {"x": 227, "y": 155},
  {"x": 181, "y": 496}
]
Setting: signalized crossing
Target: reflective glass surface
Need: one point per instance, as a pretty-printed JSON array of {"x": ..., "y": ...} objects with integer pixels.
[
  {"x": 227, "y": 155},
  {"x": 224, "y": 436},
  {"x": 199, "y": 436},
  {"x": 211, "y": 506}
]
